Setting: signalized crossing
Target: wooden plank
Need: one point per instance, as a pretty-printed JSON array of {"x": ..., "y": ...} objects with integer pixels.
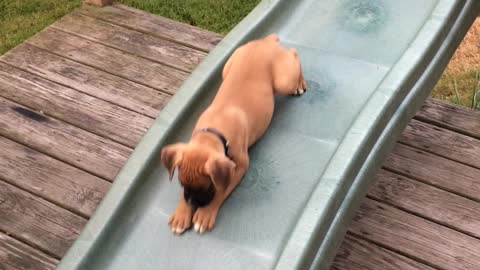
[
  {"x": 442, "y": 142},
  {"x": 137, "y": 43},
  {"x": 436, "y": 171},
  {"x": 14, "y": 255},
  {"x": 94, "y": 82},
  {"x": 417, "y": 238},
  {"x": 119, "y": 63},
  {"x": 57, "y": 182},
  {"x": 70, "y": 144},
  {"x": 358, "y": 254},
  {"x": 427, "y": 201},
  {"x": 154, "y": 25},
  {"x": 87, "y": 112},
  {"x": 37, "y": 222},
  {"x": 452, "y": 117}
]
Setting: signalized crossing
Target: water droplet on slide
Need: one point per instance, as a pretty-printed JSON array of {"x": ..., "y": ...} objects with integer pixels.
[{"x": 365, "y": 16}]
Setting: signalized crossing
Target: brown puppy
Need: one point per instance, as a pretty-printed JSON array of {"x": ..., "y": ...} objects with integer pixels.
[{"x": 212, "y": 164}]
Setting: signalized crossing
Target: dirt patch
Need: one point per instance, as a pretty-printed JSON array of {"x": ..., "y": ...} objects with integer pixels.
[
  {"x": 467, "y": 56},
  {"x": 459, "y": 83}
]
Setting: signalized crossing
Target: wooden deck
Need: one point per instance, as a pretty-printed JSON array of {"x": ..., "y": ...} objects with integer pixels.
[{"x": 76, "y": 98}]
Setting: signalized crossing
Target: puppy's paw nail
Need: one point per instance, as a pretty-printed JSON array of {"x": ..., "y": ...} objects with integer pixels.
[
  {"x": 173, "y": 230},
  {"x": 300, "y": 91},
  {"x": 202, "y": 230},
  {"x": 179, "y": 230},
  {"x": 197, "y": 227}
]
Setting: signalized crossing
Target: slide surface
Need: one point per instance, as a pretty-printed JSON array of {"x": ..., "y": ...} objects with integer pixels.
[{"x": 369, "y": 65}]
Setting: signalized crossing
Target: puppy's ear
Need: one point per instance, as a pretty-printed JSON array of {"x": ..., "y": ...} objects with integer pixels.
[
  {"x": 172, "y": 156},
  {"x": 220, "y": 169}
]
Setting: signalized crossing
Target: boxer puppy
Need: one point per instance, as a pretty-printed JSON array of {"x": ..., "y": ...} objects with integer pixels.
[{"x": 214, "y": 161}]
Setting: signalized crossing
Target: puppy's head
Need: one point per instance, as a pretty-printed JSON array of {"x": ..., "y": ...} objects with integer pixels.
[{"x": 202, "y": 172}]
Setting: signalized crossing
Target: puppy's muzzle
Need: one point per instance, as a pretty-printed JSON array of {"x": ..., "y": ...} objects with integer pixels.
[{"x": 198, "y": 198}]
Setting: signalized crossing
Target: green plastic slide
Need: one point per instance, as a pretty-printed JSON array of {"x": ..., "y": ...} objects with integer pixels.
[{"x": 369, "y": 65}]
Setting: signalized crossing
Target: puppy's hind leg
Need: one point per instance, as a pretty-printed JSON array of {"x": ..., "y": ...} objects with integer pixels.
[
  {"x": 272, "y": 37},
  {"x": 229, "y": 63},
  {"x": 287, "y": 75}
]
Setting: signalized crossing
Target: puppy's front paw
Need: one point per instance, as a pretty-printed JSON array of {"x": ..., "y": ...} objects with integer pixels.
[
  {"x": 181, "y": 219},
  {"x": 204, "y": 219},
  {"x": 299, "y": 92},
  {"x": 301, "y": 88}
]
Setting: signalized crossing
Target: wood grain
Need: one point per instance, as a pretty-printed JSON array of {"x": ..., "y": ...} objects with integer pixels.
[
  {"x": 128, "y": 66},
  {"x": 84, "y": 111},
  {"x": 37, "y": 222},
  {"x": 96, "y": 58},
  {"x": 57, "y": 182},
  {"x": 358, "y": 254},
  {"x": 434, "y": 170},
  {"x": 70, "y": 144},
  {"x": 154, "y": 25},
  {"x": 452, "y": 117},
  {"x": 14, "y": 255},
  {"x": 137, "y": 43},
  {"x": 415, "y": 237},
  {"x": 94, "y": 82},
  {"x": 427, "y": 201},
  {"x": 442, "y": 142}
]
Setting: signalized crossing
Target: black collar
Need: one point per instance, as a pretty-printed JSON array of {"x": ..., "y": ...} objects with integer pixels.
[{"x": 219, "y": 135}]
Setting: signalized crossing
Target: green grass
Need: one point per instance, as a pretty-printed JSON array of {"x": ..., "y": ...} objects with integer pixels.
[
  {"x": 461, "y": 88},
  {"x": 218, "y": 16},
  {"x": 20, "y": 19}
]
